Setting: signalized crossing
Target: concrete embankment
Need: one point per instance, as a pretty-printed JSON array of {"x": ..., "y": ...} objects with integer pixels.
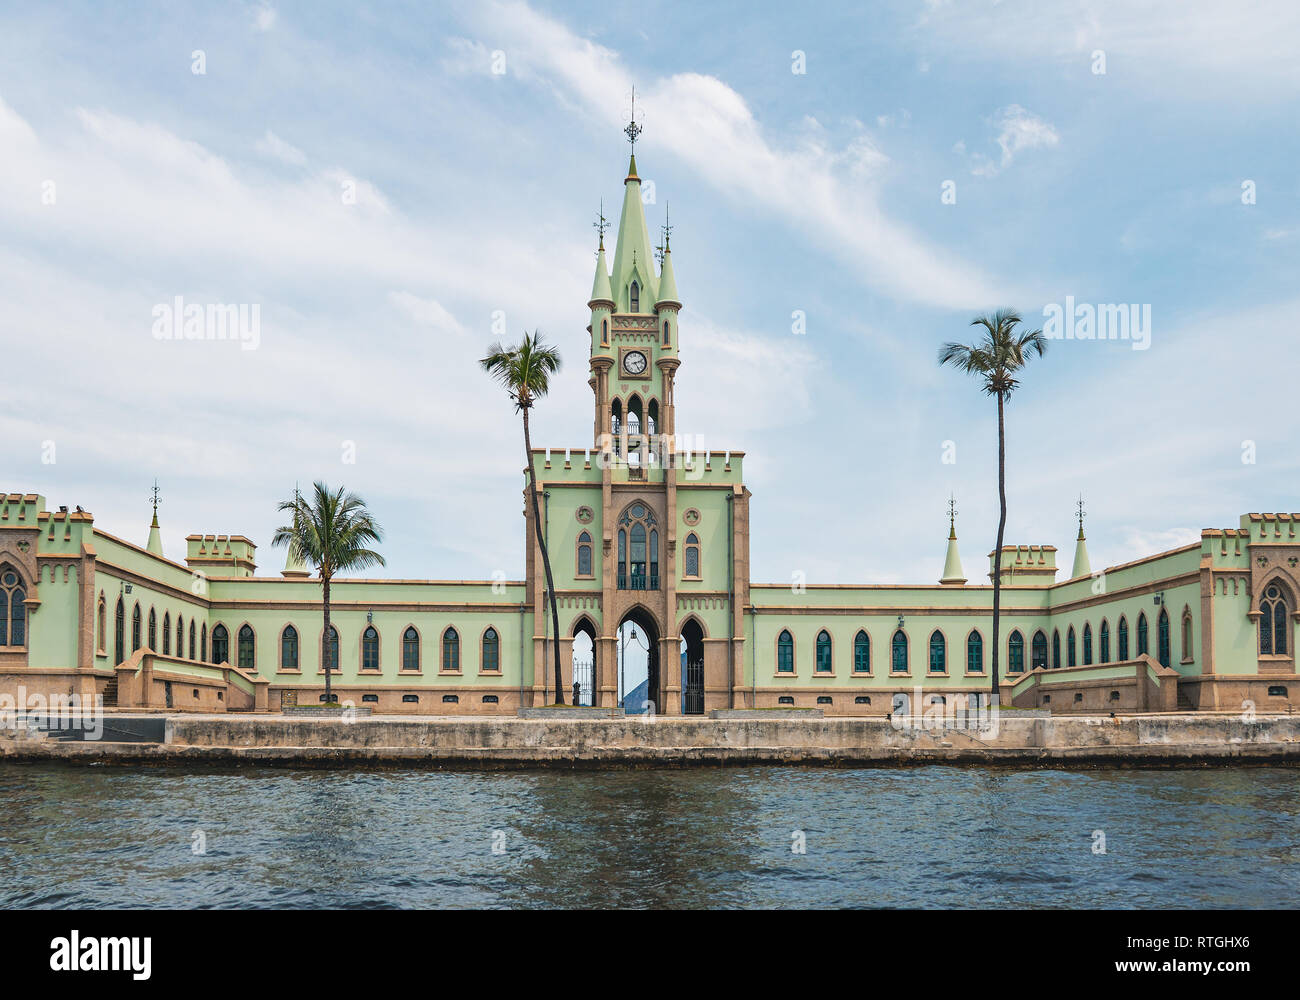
[{"x": 1157, "y": 740}]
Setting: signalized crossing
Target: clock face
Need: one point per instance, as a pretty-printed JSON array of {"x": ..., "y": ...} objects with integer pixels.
[{"x": 634, "y": 362}]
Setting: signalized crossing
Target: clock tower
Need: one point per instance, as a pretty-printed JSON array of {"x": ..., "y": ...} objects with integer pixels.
[{"x": 633, "y": 330}]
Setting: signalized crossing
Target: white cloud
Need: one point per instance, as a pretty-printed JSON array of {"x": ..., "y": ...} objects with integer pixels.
[
  {"x": 710, "y": 128},
  {"x": 264, "y": 17},
  {"x": 1018, "y": 129},
  {"x": 272, "y": 145}
]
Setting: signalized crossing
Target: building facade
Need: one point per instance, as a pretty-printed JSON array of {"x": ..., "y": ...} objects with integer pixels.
[{"x": 642, "y": 530}]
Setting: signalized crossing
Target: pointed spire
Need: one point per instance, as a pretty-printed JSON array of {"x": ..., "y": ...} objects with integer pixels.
[
  {"x": 632, "y": 254},
  {"x": 1082, "y": 567},
  {"x": 667, "y": 283},
  {"x": 952, "y": 574},
  {"x": 155, "y": 535},
  {"x": 600, "y": 287},
  {"x": 293, "y": 564}
]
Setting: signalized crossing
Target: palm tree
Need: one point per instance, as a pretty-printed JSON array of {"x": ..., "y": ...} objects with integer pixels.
[
  {"x": 525, "y": 373},
  {"x": 995, "y": 360},
  {"x": 331, "y": 534}
]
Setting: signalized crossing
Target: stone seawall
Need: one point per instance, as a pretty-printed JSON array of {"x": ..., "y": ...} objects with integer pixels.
[{"x": 1160, "y": 740}]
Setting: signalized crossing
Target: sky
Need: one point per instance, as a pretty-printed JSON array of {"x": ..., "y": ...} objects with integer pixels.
[{"x": 393, "y": 184}]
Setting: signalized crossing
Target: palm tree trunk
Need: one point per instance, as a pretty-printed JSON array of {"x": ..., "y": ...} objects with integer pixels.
[
  {"x": 546, "y": 558},
  {"x": 325, "y": 641},
  {"x": 1002, "y": 525}
]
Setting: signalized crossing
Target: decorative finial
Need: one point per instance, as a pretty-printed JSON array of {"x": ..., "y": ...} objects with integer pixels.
[
  {"x": 1082, "y": 515},
  {"x": 665, "y": 232},
  {"x": 601, "y": 223},
  {"x": 156, "y": 498},
  {"x": 633, "y": 129},
  {"x": 952, "y": 516}
]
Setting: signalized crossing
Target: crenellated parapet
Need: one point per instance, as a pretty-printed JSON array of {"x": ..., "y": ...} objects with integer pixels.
[
  {"x": 1026, "y": 565},
  {"x": 221, "y": 555}
]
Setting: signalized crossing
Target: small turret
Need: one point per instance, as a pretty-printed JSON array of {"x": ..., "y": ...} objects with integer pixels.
[
  {"x": 952, "y": 574},
  {"x": 1081, "y": 565}
]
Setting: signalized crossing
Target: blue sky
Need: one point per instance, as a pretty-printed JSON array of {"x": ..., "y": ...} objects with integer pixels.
[{"x": 817, "y": 192}]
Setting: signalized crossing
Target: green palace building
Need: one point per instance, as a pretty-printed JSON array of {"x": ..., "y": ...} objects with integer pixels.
[{"x": 642, "y": 532}]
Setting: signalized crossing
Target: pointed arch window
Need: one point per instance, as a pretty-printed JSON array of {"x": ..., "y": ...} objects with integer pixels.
[
  {"x": 330, "y": 650},
  {"x": 1016, "y": 653},
  {"x": 203, "y": 653},
  {"x": 1142, "y": 634},
  {"x": 1162, "y": 639},
  {"x": 220, "y": 644},
  {"x": 974, "y": 653},
  {"x": 862, "y": 653},
  {"x": 898, "y": 653},
  {"x": 1187, "y": 636},
  {"x": 1104, "y": 637},
  {"x": 668, "y": 340},
  {"x": 1122, "y": 638},
  {"x": 450, "y": 651},
  {"x": 638, "y": 549},
  {"x": 491, "y": 658},
  {"x": 634, "y": 297},
  {"x": 205, "y": 644},
  {"x": 1070, "y": 658},
  {"x": 180, "y": 637},
  {"x": 167, "y": 634},
  {"x": 824, "y": 665},
  {"x": 938, "y": 653},
  {"x": 13, "y": 608},
  {"x": 1038, "y": 652},
  {"x": 1273, "y": 631},
  {"x": 370, "y": 649},
  {"x": 153, "y": 630},
  {"x": 785, "y": 653},
  {"x": 1087, "y": 644},
  {"x": 119, "y": 632},
  {"x": 604, "y": 333},
  {"x": 1056, "y": 649},
  {"x": 289, "y": 648},
  {"x": 135, "y": 628},
  {"x": 693, "y": 556},
  {"x": 584, "y": 554},
  {"x": 410, "y": 649},
  {"x": 247, "y": 648}
]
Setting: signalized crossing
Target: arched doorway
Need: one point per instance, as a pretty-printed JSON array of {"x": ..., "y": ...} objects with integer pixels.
[
  {"x": 584, "y": 662},
  {"x": 637, "y": 648},
  {"x": 692, "y": 668}
]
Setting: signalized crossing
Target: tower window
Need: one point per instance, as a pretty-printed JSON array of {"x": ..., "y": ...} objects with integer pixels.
[
  {"x": 634, "y": 296},
  {"x": 604, "y": 333},
  {"x": 13, "y": 609},
  {"x": 693, "y": 556},
  {"x": 584, "y": 554},
  {"x": 1272, "y": 622},
  {"x": 638, "y": 549},
  {"x": 667, "y": 337}
]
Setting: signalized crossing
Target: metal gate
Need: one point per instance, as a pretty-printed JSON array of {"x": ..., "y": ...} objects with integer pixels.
[
  {"x": 582, "y": 680},
  {"x": 694, "y": 691}
]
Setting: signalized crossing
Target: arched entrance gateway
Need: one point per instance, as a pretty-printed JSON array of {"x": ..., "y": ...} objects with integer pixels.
[
  {"x": 584, "y": 662},
  {"x": 639, "y": 680},
  {"x": 692, "y": 668}
]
